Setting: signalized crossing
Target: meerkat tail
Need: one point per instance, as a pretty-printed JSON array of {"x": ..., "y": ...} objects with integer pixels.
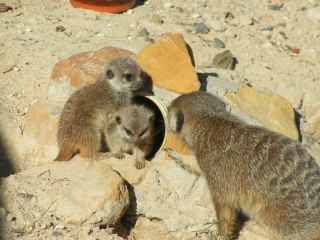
[{"x": 65, "y": 154}]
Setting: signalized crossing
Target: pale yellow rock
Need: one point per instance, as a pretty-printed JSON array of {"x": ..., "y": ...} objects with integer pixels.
[
  {"x": 169, "y": 64},
  {"x": 275, "y": 112}
]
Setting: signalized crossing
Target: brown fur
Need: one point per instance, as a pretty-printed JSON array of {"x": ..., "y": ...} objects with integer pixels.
[
  {"x": 131, "y": 131},
  {"x": 88, "y": 110},
  {"x": 269, "y": 177}
]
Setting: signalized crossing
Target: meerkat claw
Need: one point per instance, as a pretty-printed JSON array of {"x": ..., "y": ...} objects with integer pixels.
[{"x": 139, "y": 165}]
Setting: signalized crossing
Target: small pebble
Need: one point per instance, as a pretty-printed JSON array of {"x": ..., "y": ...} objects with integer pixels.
[
  {"x": 143, "y": 32},
  {"x": 130, "y": 11},
  {"x": 202, "y": 28},
  {"x": 16, "y": 69},
  {"x": 60, "y": 226},
  {"x": 167, "y": 5},
  {"x": 28, "y": 30},
  {"x": 57, "y": 234},
  {"x": 274, "y": 7},
  {"x": 195, "y": 16},
  {"x": 100, "y": 34},
  {"x": 2, "y": 212},
  {"x": 60, "y": 28},
  {"x": 156, "y": 19},
  {"x": 245, "y": 20},
  {"x": 218, "y": 43},
  {"x": 133, "y": 25},
  {"x": 9, "y": 217},
  {"x": 33, "y": 102},
  {"x": 96, "y": 17},
  {"x": 269, "y": 19}
]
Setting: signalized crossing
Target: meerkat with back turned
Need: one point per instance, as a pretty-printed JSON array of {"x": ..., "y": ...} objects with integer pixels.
[
  {"x": 269, "y": 177},
  {"x": 89, "y": 109},
  {"x": 131, "y": 131}
]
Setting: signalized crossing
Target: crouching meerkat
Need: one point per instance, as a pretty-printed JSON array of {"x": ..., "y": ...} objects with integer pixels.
[
  {"x": 131, "y": 131},
  {"x": 86, "y": 113},
  {"x": 271, "y": 178}
]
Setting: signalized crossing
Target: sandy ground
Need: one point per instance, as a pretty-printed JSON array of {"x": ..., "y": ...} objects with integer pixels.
[{"x": 36, "y": 34}]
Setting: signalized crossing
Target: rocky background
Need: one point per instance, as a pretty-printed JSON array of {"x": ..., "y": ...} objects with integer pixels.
[{"x": 262, "y": 58}]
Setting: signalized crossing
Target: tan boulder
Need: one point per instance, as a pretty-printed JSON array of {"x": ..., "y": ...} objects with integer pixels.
[
  {"x": 272, "y": 110},
  {"x": 70, "y": 74},
  {"x": 169, "y": 64},
  {"x": 80, "y": 192},
  {"x": 41, "y": 122},
  {"x": 311, "y": 108}
]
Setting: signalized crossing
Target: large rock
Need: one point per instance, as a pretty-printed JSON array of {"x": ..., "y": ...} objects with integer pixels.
[
  {"x": 70, "y": 74},
  {"x": 165, "y": 191},
  {"x": 41, "y": 122},
  {"x": 79, "y": 192},
  {"x": 169, "y": 64},
  {"x": 311, "y": 108},
  {"x": 275, "y": 112}
]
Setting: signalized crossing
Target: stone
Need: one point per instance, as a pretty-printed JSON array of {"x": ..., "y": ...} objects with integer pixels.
[
  {"x": 201, "y": 28},
  {"x": 70, "y": 74},
  {"x": 272, "y": 110},
  {"x": 311, "y": 109},
  {"x": 274, "y": 7},
  {"x": 79, "y": 192},
  {"x": 165, "y": 191},
  {"x": 169, "y": 64},
  {"x": 224, "y": 60},
  {"x": 313, "y": 14},
  {"x": 245, "y": 20},
  {"x": 215, "y": 25},
  {"x": 156, "y": 19},
  {"x": 218, "y": 43},
  {"x": 40, "y": 122},
  {"x": 143, "y": 32},
  {"x": 269, "y": 19}
]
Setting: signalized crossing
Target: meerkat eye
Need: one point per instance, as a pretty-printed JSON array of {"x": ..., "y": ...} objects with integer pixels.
[
  {"x": 143, "y": 132},
  {"x": 128, "y": 76},
  {"x": 109, "y": 74},
  {"x": 128, "y": 132}
]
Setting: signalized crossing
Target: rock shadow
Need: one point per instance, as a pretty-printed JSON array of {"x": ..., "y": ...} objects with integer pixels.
[
  {"x": 297, "y": 117},
  {"x": 6, "y": 169},
  {"x": 203, "y": 80}
]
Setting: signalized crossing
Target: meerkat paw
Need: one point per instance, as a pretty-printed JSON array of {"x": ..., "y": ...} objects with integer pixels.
[
  {"x": 119, "y": 155},
  {"x": 140, "y": 164},
  {"x": 174, "y": 156}
]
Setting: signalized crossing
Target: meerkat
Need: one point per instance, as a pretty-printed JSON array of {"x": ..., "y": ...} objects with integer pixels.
[
  {"x": 131, "y": 131},
  {"x": 271, "y": 178},
  {"x": 88, "y": 110}
]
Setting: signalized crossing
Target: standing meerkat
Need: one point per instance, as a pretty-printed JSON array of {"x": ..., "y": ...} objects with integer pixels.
[
  {"x": 88, "y": 110},
  {"x": 131, "y": 131},
  {"x": 269, "y": 177}
]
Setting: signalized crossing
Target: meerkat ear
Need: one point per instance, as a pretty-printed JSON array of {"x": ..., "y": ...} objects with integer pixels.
[
  {"x": 109, "y": 74},
  {"x": 152, "y": 118},
  {"x": 118, "y": 120},
  {"x": 179, "y": 121}
]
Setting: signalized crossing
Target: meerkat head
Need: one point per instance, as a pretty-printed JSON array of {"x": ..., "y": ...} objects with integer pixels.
[
  {"x": 188, "y": 105},
  {"x": 124, "y": 74},
  {"x": 135, "y": 123}
]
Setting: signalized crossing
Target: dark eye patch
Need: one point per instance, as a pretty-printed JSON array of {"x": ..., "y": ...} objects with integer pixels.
[
  {"x": 129, "y": 133},
  {"x": 143, "y": 132}
]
